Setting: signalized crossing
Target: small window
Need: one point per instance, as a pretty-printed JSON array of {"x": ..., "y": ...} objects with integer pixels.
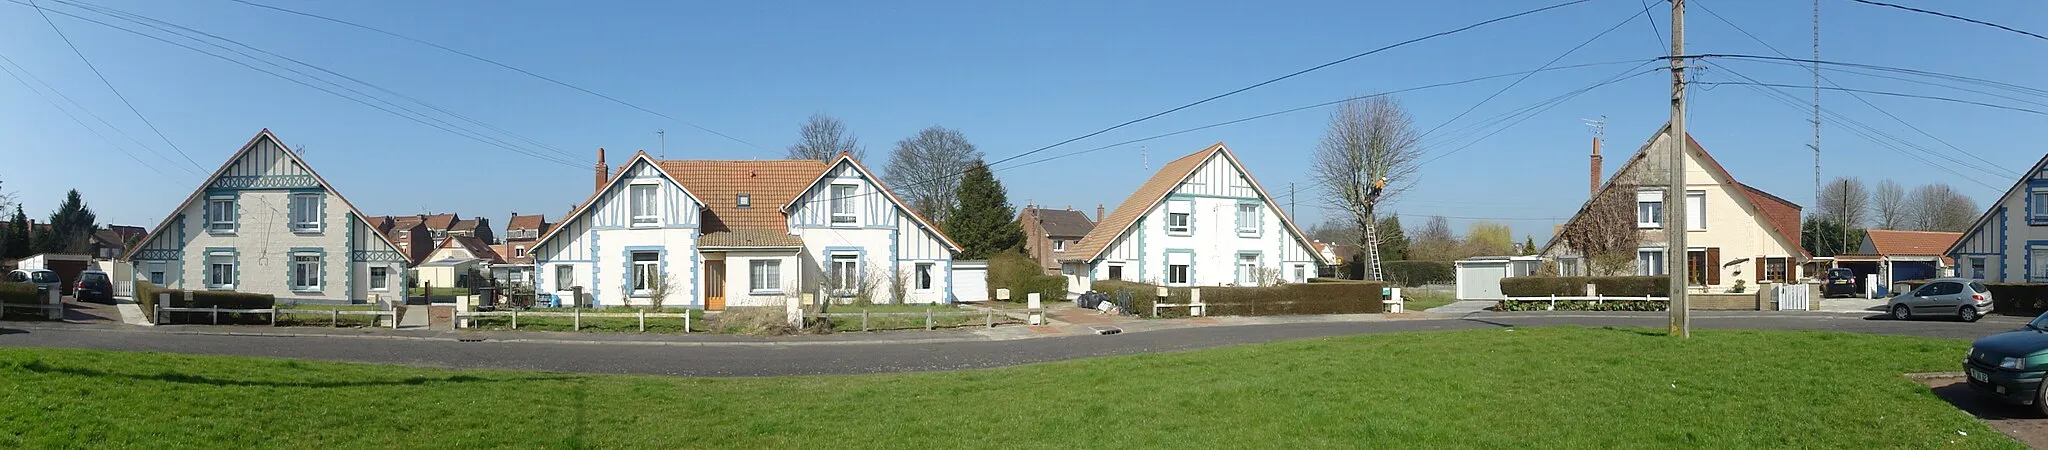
[
  {"x": 220, "y": 214},
  {"x": 842, "y": 204},
  {"x": 1696, "y": 210},
  {"x": 743, "y": 200},
  {"x": 1177, "y": 274},
  {"x": 380, "y": 278},
  {"x": 646, "y": 272},
  {"x": 305, "y": 272},
  {"x": 924, "y": 276},
  {"x": 1977, "y": 264},
  {"x": 646, "y": 210},
  {"x": 519, "y": 251},
  {"x": 1116, "y": 272},
  {"x": 156, "y": 273},
  {"x": 1248, "y": 269},
  {"x": 220, "y": 270},
  {"x": 1247, "y": 219},
  {"x": 845, "y": 273},
  {"x": 306, "y": 212},
  {"x": 1180, "y": 217},
  {"x": 2039, "y": 202},
  {"x": 1650, "y": 209},
  {"x": 764, "y": 276},
  {"x": 1650, "y": 262},
  {"x": 1778, "y": 270},
  {"x": 1300, "y": 273},
  {"x": 1059, "y": 245},
  {"x": 565, "y": 277}
]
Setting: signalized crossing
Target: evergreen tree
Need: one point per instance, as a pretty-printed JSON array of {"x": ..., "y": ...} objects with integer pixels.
[
  {"x": 71, "y": 227},
  {"x": 1529, "y": 246},
  {"x": 1826, "y": 237},
  {"x": 984, "y": 223},
  {"x": 17, "y": 244},
  {"x": 1393, "y": 241}
]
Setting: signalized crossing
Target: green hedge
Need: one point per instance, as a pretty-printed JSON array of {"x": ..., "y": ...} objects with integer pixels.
[
  {"x": 223, "y": 300},
  {"x": 20, "y": 294},
  {"x": 1022, "y": 275},
  {"x": 1351, "y": 297},
  {"x": 1581, "y": 305},
  {"x": 1631, "y": 286},
  {"x": 1417, "y": 273},
  {"x": 2019, "y": 299}
]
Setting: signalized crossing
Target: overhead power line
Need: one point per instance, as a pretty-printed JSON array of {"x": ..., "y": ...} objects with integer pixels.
[
  {"x": 1953, "y": 16},
  {"x": 110, "y": 85},
  {"x": 1926, "y": 73},
  {"x": 1865, "y": 131},
  {"x": 502, "y": 65},
  {"x": 24, "y": 72},
  {"x": 1525, "y": 113},
  {"x": 74, "y": 117},
  {"x": 1889, "y": 93},
  {"x": 1525, "y": 77}
]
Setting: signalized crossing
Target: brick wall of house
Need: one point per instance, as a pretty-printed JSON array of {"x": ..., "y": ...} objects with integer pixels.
[{"x": 1725, "y": 302}]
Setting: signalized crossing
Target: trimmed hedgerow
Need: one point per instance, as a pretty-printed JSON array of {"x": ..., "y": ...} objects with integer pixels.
[
  {"x": 1631, "y": 286},
  {"x": 1337, "y": 297}
]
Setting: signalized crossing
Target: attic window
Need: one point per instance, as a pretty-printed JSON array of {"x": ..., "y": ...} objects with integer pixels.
[{"x": 744, "y": 200}]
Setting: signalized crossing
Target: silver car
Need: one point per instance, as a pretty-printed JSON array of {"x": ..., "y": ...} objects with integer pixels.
[{"x": 1961, "y": 297}]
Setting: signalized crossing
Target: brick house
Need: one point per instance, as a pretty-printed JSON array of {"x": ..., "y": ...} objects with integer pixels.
[{"x": 1048, "y": 232}]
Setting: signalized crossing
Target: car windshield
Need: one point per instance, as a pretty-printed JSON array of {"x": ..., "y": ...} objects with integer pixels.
[
  {"x": 2039, "y": 323},
  {"x": 1841, "y": 273},
  {"x": 44, "y": 277}
]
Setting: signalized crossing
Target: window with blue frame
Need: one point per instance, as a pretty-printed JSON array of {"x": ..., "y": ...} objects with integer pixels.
[{"x": 2037, "y": 207}]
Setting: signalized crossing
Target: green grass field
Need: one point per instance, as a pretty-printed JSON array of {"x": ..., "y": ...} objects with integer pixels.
[
  {"x": 1419, "y": 303},
  {"x": 1500, "y": 388}
]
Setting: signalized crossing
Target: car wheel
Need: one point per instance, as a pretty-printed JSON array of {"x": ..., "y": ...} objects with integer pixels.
[
  {"x": 1968, "y": 313},
  {"x": 1900, "y": 312},
  {"x": 2041, "y": 399}
]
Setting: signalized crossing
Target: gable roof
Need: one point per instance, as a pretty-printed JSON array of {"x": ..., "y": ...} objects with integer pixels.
[
  {"x": 294, "y": 157},
  {"x": 440, "y": 222},
  {"x": 1985, "y": 218},
  {"x": 537, "y": 222},
  {"x": 765, "y": 182},
  {"x": 1062, "y": 222},
  {"x": 467, "y": 224},
  {"x": 1906, "y": 242},
  {"x": 847, "y": 158},
  {"x": 1162, "y": 183},
  {"x": 1780, "y": 215},
  {"x": 639, "y": 156}
]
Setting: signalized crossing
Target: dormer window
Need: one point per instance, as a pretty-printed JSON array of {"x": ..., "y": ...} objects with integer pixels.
[
  {"x": 842, "y": 204},
  {"x": 744, "y": 200},
  {"x": 644, "y": 205}
]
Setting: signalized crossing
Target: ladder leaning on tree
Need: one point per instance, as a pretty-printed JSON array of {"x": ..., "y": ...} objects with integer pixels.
[{"x": 1372, "y": 235}]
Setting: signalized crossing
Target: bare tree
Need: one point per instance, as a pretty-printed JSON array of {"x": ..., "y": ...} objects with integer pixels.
[
  {"x": 1940, "y": 207},
  {"x": 1888, "y": 206},
  {"x": 823, "y": 137},
  {"x": 1488, "y": 239},
  {"x": 1845, "y": 201},
  {"x": 926, "y": 169},
  {"x": 1605, "y": 232},
  {"x": 1433, "y": 242},
  {"x": 1335, "y": 229},
  {"x": 1369, "y": 143}
]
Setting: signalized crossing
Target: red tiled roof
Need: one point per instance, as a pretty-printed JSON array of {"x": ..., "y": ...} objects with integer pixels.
[
  {"x": 1904, "y": 242},
  {"x": 767, "y": 183},
  {"x": 476, "y": 248},
  {"x": 748, "y": 238},
  {"x": 440, "y": 222},
  {"x": 1782, "y": 215},
  {"x": 1155, "y": 189},
  {"x": 537, "y": 222}
]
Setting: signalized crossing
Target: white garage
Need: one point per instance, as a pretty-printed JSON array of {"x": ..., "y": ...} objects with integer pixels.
[
  {"x": 970, "y": 281},
  {"x": 1479, "y": 278}
]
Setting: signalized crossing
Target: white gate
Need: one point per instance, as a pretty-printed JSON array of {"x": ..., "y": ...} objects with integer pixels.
[{"x": 1792, "y": 297}]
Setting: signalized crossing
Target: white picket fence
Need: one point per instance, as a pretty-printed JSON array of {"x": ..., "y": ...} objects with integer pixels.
[{"x": 1793, "y": 297}]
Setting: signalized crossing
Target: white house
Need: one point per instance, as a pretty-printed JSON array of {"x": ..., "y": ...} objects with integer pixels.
[
  {"x": 2009, "y": 242},
  {"x": 746, "y": 233},
  {"x": 1202, "y": 220},
  {"x": 265, "y": 222}
]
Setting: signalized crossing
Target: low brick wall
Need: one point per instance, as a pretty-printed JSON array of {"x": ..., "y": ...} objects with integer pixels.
[{"x": 1727, "y": 302}]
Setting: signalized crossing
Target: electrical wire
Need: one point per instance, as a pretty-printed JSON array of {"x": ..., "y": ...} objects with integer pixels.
[
  {"x": 1858, "y": 128},
  {"x": 74, "y": 118},
  {"x": 110, "y": 85},
  {"x": 88, "y": 112},
  {"x": 1568, "y": 52},
  {"x": 1953, "y": 16},
  {"x": 1887, "y": 93},
  {"x": 1528, "y": 112}
]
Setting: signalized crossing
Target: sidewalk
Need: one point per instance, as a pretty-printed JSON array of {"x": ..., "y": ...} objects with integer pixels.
[{"x": 1853, "y": 305}]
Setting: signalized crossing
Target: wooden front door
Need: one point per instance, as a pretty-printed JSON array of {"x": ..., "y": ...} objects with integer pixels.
[{"x": 714, "y": 285}]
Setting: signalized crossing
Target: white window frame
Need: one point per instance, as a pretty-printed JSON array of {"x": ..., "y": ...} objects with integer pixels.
[
  {"x": 1696, "y": 210},
  {"x": 303, "y": 271},
  {"x": 844, "y": 211},
  {"x": 764, "y": 276},
  {"x": 2037, "y": 270},
  {"x": 1650, "y": 203},
  {"x": 380, "y": 278},
  {"x": 646, "y": 274},
  {"x": 1300, "y": 273},
  {"x": 1186, "y": 274},
  {"x": 743, "y": 200},
  {"x": 519, "y": 251},
  {"x": 1059, "y": 245},
  {"x": 1114, "y": 272},
  {"x": 307, "y": 221},
  {"x": 921, "y": 276},
  {"x": 1186, "y": 227},
  {"x": 849, "y": 277},
  {"x": 157, "y": 272},
  {"x": 215, "y": 270},
  {"x": 647, "y": 214},
  {"x": 1248, "y": 223},
  {"x": 1652, "y": 268},
  {"x": 1248, "y": 269},
  {"x": 1568, "y": 266},
  {"x": 220, "y": 214}
]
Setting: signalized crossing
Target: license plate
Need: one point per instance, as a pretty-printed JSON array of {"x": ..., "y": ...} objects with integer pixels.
[
  {"x": 1979, "y": 375},
  {"x": 1841, "y": 282}
]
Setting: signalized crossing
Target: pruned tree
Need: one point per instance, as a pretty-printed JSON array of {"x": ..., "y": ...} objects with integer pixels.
[
  {"x": 1940, "y": 207},
  {"x": 926, "y": 170},
  {"x": 1433, "y": 242},
  {"x": 1888, "y": 206},
  {"x": 984, "y": 223},
  {"x": 1844, "y": 200},
  {"x": 1605, "y": 231},
  {"x": 822, "y": 137},
  {"x": 1369, "y": 143}
]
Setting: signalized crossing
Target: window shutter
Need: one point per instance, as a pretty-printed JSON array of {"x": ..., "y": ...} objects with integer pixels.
[
  {"x": 1761, "y": 267},
  {"x": 1713, "y": 265}
]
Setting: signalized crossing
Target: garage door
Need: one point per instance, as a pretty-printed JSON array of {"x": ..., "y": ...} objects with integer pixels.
[
  {"x": 1481, "y": 280},
  {"x": 970, "y": 281}
]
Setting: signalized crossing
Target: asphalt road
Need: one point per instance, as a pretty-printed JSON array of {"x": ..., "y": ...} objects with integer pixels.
[{"x": 771, "y": 360}]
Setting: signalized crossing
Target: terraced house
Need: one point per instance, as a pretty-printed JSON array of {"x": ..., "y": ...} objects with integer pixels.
[
  {"x": 2009, "y": 241},
  {"x": 1202, "y": 220},
  {"x": 742, "y": 233},
  {"x": 265, "y": 222}
]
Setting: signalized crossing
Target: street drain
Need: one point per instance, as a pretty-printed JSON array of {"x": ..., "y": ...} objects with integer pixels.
[
  {"x": 1105, "y": 331},
  {"x": 469, "y": 339}
]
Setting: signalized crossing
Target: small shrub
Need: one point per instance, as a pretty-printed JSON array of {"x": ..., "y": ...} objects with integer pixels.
[
  {"x": 1633, "y": 286},
  {"x": 757, "y": 321},
  {"x": 1580, "y": 305},
  {"x": 20, "y": 294},
  {"x": 1417, "y": 273}
]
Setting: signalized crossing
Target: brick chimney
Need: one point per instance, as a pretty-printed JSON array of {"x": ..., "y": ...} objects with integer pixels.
[
  {"x": 1098, "y": 212},
  {"x": 603, "y": 171},
  {"x": 1595, "y": 187}
]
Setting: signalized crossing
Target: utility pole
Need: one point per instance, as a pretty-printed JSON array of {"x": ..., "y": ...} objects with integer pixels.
[{"x": 1674, "y": 195}]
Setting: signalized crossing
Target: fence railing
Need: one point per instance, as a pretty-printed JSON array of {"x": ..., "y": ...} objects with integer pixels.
[
  {"x": 930, "y": 316},
  {"x": 1596, "y": 299},
  {"x": 334, "y": 314},
  {"x": 576, "y": 317}
]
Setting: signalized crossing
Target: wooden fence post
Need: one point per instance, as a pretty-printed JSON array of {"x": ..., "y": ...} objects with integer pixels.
[
  {"x": 273, "y": 315},
  {"x": 863, "y": 319},
  {"x": 991, "y": 318},
  {"x": 686, "y": 320},
  {"x": 576, "y": 324},
  {"x": 643, "y": 321},
  {"x": 216, "y": 314},
  {"x": 927, "y": 319},
  {"x": 334, "y": 315}
]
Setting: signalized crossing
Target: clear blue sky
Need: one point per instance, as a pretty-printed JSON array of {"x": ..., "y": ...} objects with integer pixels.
[{"x": 1011, "y": 77}]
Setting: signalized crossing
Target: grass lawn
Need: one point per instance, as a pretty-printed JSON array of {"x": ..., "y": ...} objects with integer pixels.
[
  {"x": 324, "y": 319},
  {"x": 1562, "y": 387},
  {"x": 1418, "y": 303},
  {"x": 879, "y": 323}
]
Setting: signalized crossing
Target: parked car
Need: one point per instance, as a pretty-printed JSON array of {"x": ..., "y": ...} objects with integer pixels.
[
  {"x": 45, "y": 280},
  {"x": 2010, "y": 366},
  {"x": 94, "y": 285},
  {"x": 1839, "y": 281},
  {"x": 1965, "y": 298}
]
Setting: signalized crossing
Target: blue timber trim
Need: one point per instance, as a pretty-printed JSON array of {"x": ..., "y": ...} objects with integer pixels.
[
  {"x": 1166, "y": 276},
  {"x": 1141, "y": 249},
  {"x": 1259, "y": 265},
  {"x": 950, "y": 298},
  {"x": 896, "y": 265},
  {"x": 348, "y": 268},
  {"x": 2002, "y": 248},
  {"x": 860, "y": 265},
  {"x": 660, "y": 266},
  {"x": 291, "y": 269},
  {"x": 662, "y": 227},
  {"x": 262, "y": 182},
  {"x": 1181, "y": 196},
  {"x": 375, "y": 256},
  {"x": 697, "y": 295},
  {"x": 206, "y": 268}
]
